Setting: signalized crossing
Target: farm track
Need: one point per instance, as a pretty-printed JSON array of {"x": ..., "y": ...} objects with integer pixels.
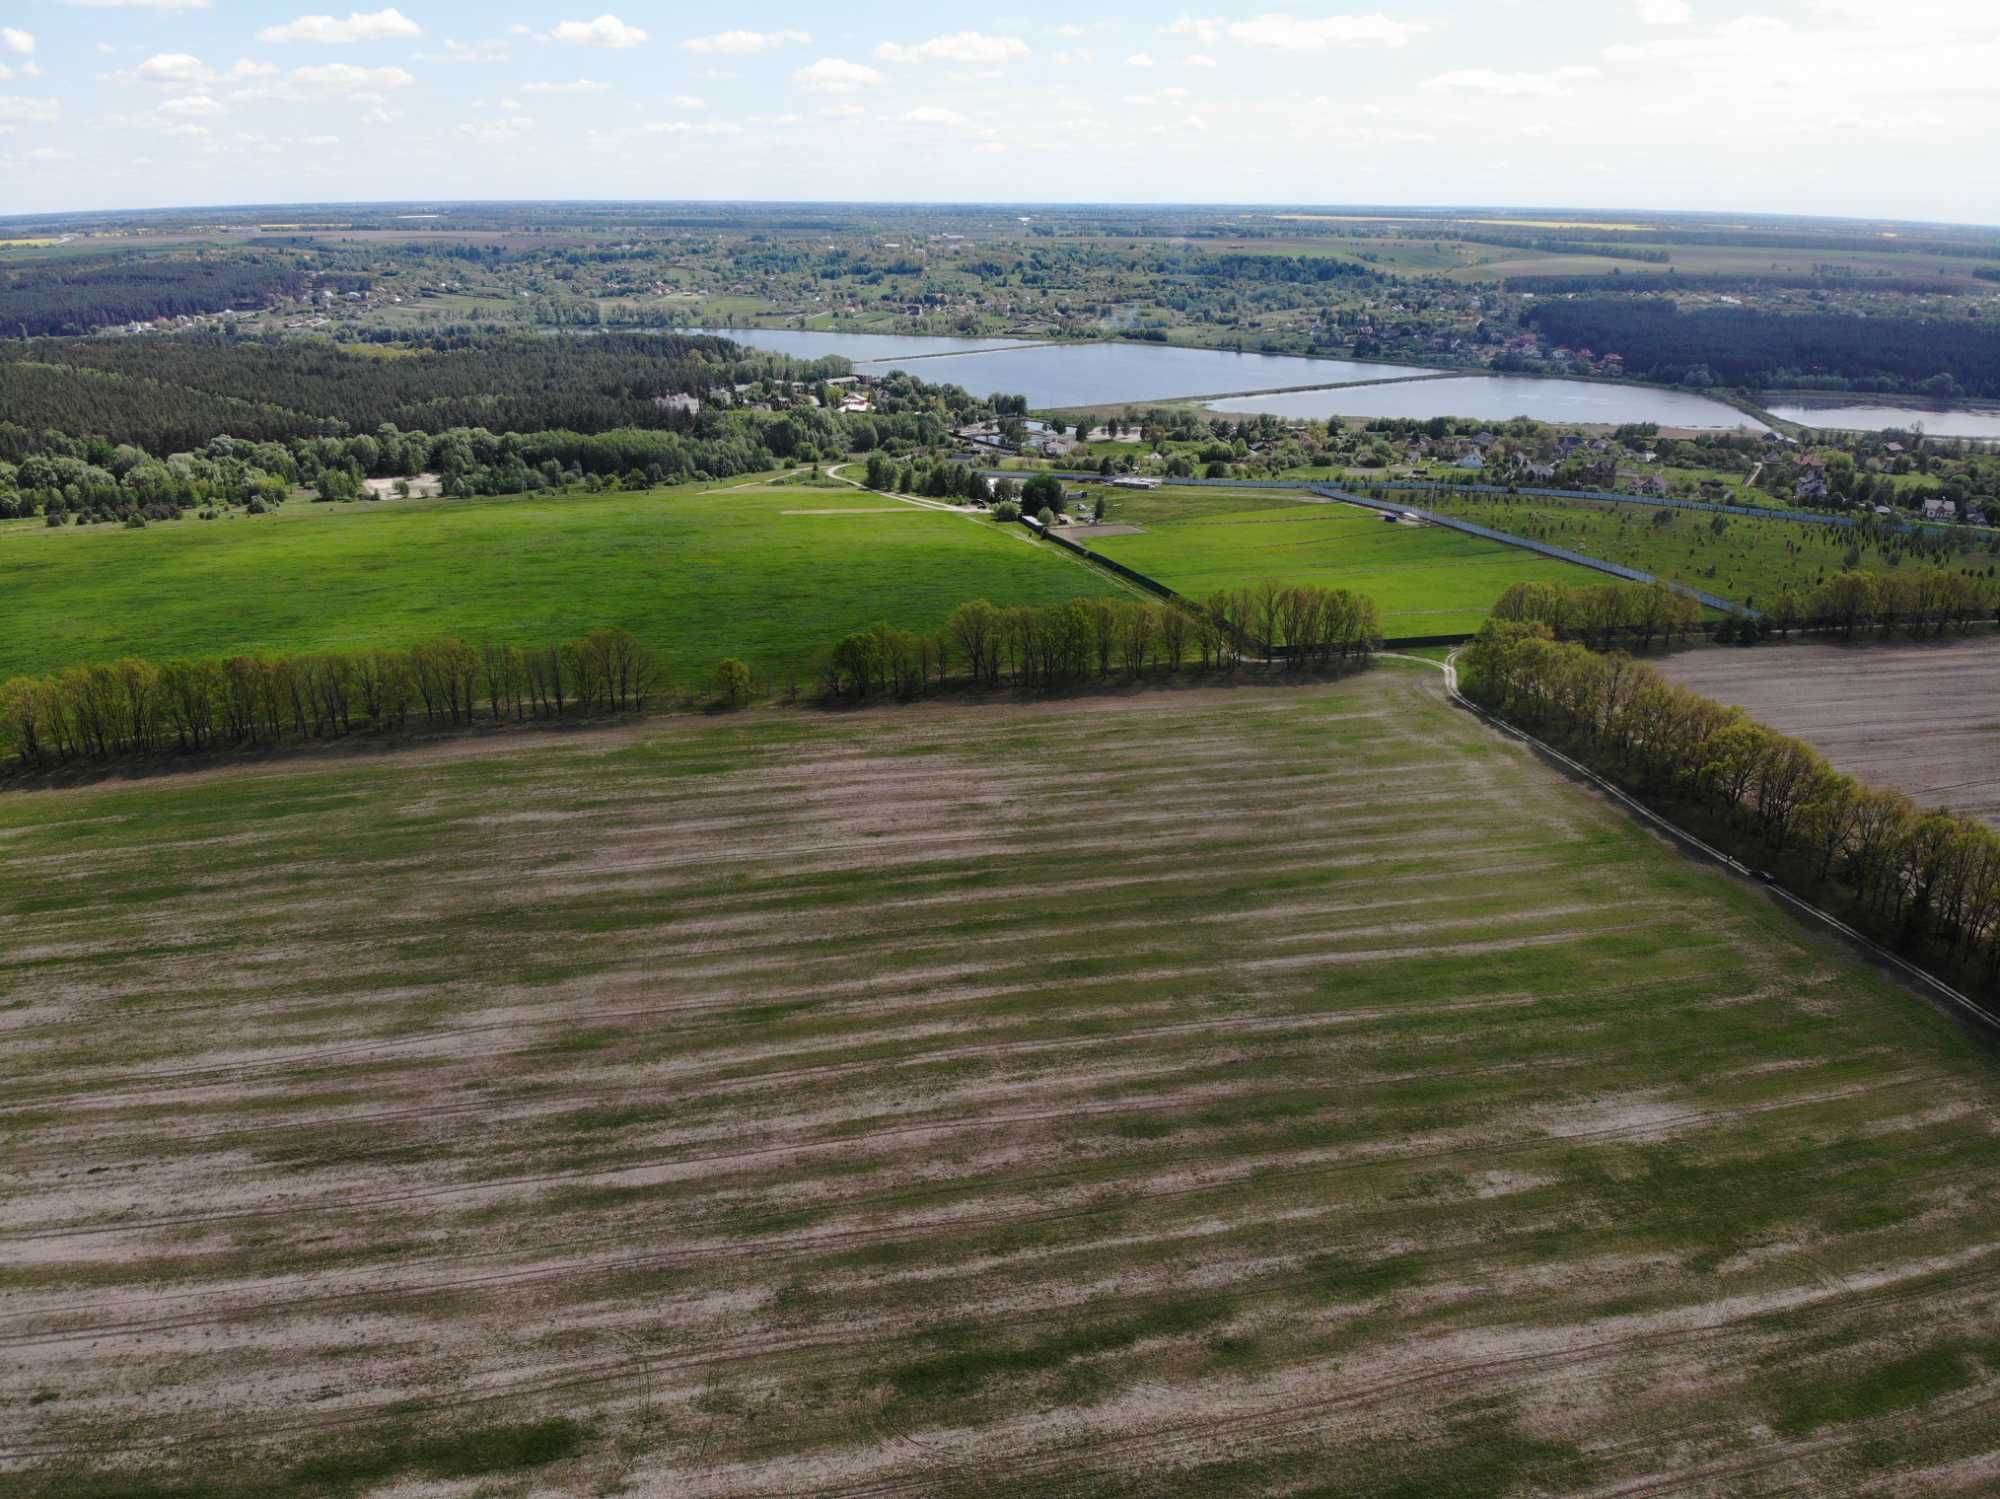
[{"x": 714, "y": 1084}]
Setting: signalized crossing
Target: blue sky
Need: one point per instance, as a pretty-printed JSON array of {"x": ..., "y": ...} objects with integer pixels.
[{"x": 1851, "y": 107}]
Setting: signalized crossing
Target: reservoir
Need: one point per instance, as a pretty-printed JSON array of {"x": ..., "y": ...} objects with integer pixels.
[
  {"x": 1496, "y": 398},
  {"x": 1101, "y": 374},
  {"x": 1944, "y": 422},
  {"x": 860, "y": 347},
  {"x": 1088, "y": 374}
]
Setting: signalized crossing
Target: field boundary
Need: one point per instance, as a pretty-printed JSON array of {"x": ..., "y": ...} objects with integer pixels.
[
  {"x": 1606, "y": 496},
  {"x": 1560, "y": 554},
  {"x": 1957, "y": 1001}
]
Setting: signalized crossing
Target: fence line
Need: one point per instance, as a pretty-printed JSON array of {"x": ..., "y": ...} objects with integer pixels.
[
  {"x": 1606, "y": 496},
  {"x": 1508, "y": 538}
]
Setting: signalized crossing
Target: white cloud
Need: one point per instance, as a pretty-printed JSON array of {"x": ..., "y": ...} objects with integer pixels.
[
  {"x": 580, "y": 86},
  {"x": 1139, "y": 60},
  {"x": 345, "y": 77},
  {"x": 192, "y": 107},
  {"x": 992, "y": 148},
  {"x": 929, "y": 115},
  {"x": 1297, "y": 34},
  {"x": 319, "y": 140},
  {"x": 360, "y": 26},
  {"x": 836, "y": 75},
  {"x": 974, "y": 48},
  {"x": 1509, "y": 85},
  {"x": 496, "y": 49},
  {"x": 689, "y": 101},
  {"x": 47, "y": 153},
  {"x": 1072, "y": 55},
  {"x": 365, "y": 87},
  {"x": 15, "y": 110},
  {"x": 745, "y": 43},
  {"x": 844, "y": 112},
  {"x": 497, "y": 132},
  {"x": 1198, "y": 60},
  {"x": 19, "y": 42},
  {"x": 174, "y": 69},
  {"x": 1664, "y": 12},
  {"x": 605, "y": 31},
  {"x": 689, "y": 127},
  {"x": 1201, "y": 30}
]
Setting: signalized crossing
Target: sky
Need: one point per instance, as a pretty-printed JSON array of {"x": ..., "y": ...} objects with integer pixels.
[{"x": 1857, "y": 108}]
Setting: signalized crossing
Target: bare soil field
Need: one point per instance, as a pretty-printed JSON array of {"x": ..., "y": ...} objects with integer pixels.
[
  {"x": 1922, "y": 717},
  {"x": 1290, "y": 1091}
]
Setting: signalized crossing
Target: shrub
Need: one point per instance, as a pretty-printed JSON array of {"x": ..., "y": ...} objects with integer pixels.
[{"x": 732, "y": 682}]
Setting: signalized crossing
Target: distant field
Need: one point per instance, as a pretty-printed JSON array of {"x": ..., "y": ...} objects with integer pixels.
[
  {"x": 1732, "y": 260},
  {"x": 1256, "y": 1092},
  {"x": 1866, "y": 706},
  {"x": 698, "y": 575},
  {"x": 1426, "y": 580},
  {"x": 1750, "y": 561}
]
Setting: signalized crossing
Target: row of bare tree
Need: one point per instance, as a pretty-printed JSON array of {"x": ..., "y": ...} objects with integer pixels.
[
  {"x": 135, "y": 706},
  {"x": 1094, "y": 639}
]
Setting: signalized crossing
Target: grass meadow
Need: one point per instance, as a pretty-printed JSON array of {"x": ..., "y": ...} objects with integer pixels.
[
  {"x": 1426, "y": 580},
  {"x": 772, "y": 574},
  {"x": 1260, "y": 1090},
  {"x": 1750, "y": 560}
]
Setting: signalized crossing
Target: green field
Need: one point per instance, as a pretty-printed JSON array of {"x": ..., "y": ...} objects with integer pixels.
[
  {"x": 1426, "y": 580},
  {"x": 1749, "y": 560},
  {"x": 698, "y": 574},
  {"x": 1290, "y": 1091}
]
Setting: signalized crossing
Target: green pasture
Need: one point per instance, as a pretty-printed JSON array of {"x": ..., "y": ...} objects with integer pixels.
[
  {"x": 1426, "y": 580},
  {"x": 1747, "y": 559},
  {"x": 699, "y": 572}
]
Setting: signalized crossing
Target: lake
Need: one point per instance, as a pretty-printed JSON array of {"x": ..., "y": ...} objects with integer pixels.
[
  {"x": 856, "y": 346},
  {"x": 1937, "y": 423},
  {"x": 1104, "y": 374},
  {"x": 1091, "y": 374},
  {"x": 1496, "y": 398}
]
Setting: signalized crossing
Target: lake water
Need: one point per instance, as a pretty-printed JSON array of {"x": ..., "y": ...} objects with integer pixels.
[
  {"x": 1937, "y": 423},
  {"x": 1100, "y": 374},
  {"x": 1496, "y": 398},
  {"x": 857, "y": 346},
  {"x": 1090, "y": 374}
]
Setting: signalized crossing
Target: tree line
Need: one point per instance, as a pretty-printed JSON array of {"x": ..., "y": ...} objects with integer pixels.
[
  {"x": 1056, "y": 646},
  {"x": 1925, "y": 881},
  {"x": 57, "y": 297},
  {"x": 69, "y": 478},
  {"x": 169, "y": 394},
  {"x": 1922, "y": 601},
  {"x": 1597, "y": 615},
  {"x": 134, "y": 706},
  {"x": 1745, "y": 346}
]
